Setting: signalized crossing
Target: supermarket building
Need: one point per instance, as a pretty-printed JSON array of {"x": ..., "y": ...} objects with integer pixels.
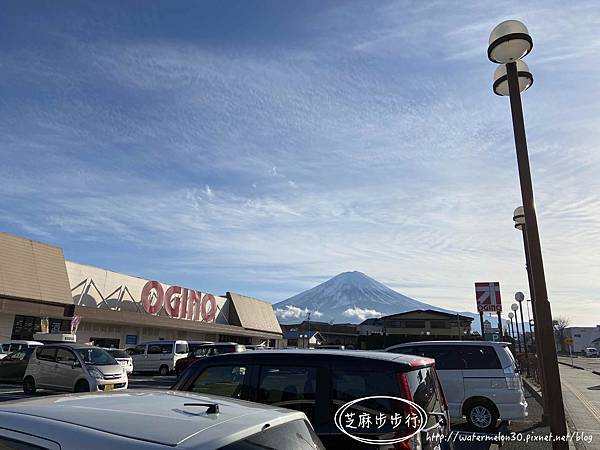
[{"x": 116, "y": 309}]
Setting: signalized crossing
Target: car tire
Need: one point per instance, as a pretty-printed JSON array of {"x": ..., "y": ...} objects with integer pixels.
[
  {"x": 29, "y": 385},
  {"x": 82, "y": 386},
  {"x": 163, "y": 370},
  {"x": 482, "y": 415}
]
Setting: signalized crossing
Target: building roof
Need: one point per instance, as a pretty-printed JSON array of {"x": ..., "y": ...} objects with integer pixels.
[
  {"x": 33, "y": 270},
  {"x": 372, "y": 321},
  {"x": 254, "y": 314},
  {"x": 429, "y": 311}
]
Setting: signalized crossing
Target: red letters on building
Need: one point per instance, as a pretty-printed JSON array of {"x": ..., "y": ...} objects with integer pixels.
[{"x": 179, "y": 303}]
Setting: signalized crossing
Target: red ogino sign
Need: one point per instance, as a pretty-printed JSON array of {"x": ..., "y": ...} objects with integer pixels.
[{"x": 179, "y": 303}]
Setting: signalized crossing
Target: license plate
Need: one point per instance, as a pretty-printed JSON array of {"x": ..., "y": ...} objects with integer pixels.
[{"x": 109, "y": 387}]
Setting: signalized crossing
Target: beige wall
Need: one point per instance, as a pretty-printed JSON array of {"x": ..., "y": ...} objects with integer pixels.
[
  {"x": 6, "y": 326},
  {"x": 32, "y": 270}
]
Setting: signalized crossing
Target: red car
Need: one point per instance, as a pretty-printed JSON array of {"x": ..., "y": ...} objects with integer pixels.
[{"x": 207, "y": 350}]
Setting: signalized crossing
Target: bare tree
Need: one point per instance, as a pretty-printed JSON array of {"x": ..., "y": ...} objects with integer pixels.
[{"x": 559, "y": 325}]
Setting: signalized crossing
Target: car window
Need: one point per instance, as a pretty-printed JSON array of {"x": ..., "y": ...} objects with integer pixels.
[
  {"x": 220, "y": 380},
  {"x": 5, "y": 348},
  {"x": 202, "y": 351},
  {"x": 13, "y": 444},
  {"x": 64, "y": 356},
  {"x": 17, "y": 356},
  {"x": 118, "y": 353},
  {"x": 350, "y": 384},
  {"x": 96, "y": 356},
  {"x": 165, "y": 349},
  {"x": 138, "y": 350},
  {"x": 181, "y": 348},
  {"x": 293, "y": 435},
  {"x": 46, "y": 354},
  {"x": 425, "y": 389},
  {"x": 17, "y": 347},
  {"x": 480, "y": 357},
  {"x": 290, "y": 387},
  {"x": 447, "y": 357},
  {"x": 154, "y": 350}
]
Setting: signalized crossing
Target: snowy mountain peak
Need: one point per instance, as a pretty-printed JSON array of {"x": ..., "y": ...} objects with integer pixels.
[
  {"x": 348, "y": 296},
  {"x": 351, "y": 297}
]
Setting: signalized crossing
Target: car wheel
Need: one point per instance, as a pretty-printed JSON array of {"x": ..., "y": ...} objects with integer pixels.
[
  {"x": 164, "y": 370},
  {"x": 29, "y": 385},
  {"x": 82, "y": 386},
  {"x": 482, "y": 416}
]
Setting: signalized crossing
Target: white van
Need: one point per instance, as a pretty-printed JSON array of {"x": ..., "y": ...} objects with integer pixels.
[
  {"x": 158, "y": 356},
  {"x": 480, "y": 379},
  {"x": 590, "y": 352},
  {"x": 15, "y": 346}
]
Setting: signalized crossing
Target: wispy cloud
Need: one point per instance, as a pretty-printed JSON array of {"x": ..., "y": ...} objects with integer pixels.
[{"x": 261, "y": 164}]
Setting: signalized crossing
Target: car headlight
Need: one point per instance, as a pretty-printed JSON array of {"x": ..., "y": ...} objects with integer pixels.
[{"x": 95, "y": 373}]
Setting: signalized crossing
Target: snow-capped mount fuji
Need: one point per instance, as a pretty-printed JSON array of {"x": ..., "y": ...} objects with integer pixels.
[{"x": 347, "y": 297}]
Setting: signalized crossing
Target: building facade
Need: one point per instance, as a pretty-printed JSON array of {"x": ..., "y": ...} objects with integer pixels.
[
  {"x": 115, "y": 309},
  {"x": 427, "y": 323},
  {"x": 583, "y": 337}
]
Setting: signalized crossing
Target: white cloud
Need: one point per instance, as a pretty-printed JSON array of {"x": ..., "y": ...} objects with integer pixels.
[
  {"x": 360, "y": 313},
  {"x": 209, "y": 193},
  {"x": 292, "y": 312}
]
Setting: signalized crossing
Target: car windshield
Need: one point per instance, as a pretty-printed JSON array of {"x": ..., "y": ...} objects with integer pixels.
[
  {"x": 118, "y": 353},
  {"x": 96, "y": 356}
]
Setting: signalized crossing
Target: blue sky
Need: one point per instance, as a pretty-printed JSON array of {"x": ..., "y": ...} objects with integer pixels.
[{"x": 263, "y": 147}]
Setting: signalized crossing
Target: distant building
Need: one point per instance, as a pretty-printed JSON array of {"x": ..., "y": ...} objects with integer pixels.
[
  {"x": 583, "y": 337},
  {"x": 422, "y": 323},
  {"x": 333, "y": 334},
  {"x": 302, "y": 339},
  {"x": 370, "y": 327}
]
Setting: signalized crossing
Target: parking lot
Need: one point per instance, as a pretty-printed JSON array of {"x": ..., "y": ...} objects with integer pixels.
[
  {"x": 462, "y": 436},
  {"x": 15, "y": 391}
]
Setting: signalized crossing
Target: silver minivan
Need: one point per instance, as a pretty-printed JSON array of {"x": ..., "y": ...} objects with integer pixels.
[
  {"x": 158, "y": 356},
  {"x": 480, "y": 379},
  {"x": 73, "y": 368}
]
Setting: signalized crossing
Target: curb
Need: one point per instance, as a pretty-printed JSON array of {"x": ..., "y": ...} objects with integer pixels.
[
  {"x": 569, "y": 365},
  {"x": 532, "y": 390}
]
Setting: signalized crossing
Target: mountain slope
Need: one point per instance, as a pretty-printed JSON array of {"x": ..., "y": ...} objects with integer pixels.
[{"x": 351, "y": 297}]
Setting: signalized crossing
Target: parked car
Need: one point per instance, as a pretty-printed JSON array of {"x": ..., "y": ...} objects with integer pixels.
[
  {"x": 16, "y": 345},
  {"x": 207, "y": 350},
  {"x": 481, "y": 380},
  {"x": 590, "y": 352},
  {"x": 122, "y": 357},
  {"x": 318, "y": 383},
  {"x": 193, "y": 345},
  {"x": 13, "y": 366},
  {"x": 151, "y": 420},
  {"x": 158, "y": 356},
  {"x": 74, "y": 368}
]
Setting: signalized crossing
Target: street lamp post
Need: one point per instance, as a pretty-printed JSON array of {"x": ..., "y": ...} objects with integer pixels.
[
  {"x": 519, "y": 297},
  {"x": 509, "y": 42},
  {"x": 515, "y": 308},
  {"x": 512, "y": 330},
  {"x": 519, "y": 219}
]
